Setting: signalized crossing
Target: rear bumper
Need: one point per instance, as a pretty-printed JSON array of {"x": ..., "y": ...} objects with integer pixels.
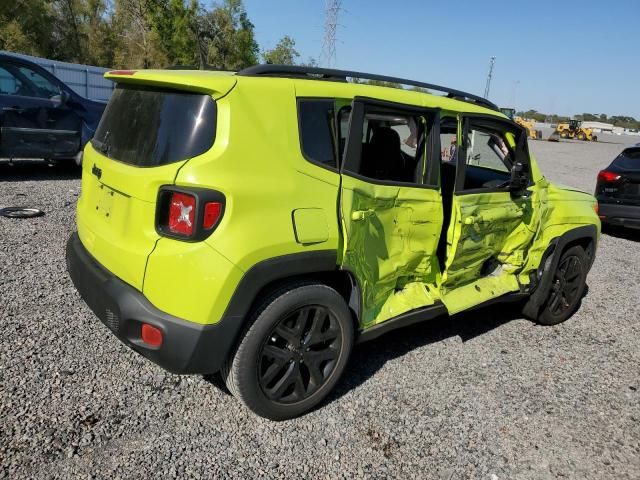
[
  {"x": 187, "y": 347},
  {"x": 619, "y": 214}
]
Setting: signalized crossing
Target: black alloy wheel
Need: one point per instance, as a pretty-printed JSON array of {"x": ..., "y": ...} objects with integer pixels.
[
  {"x": 567, "y": 287},
  {"x": 294, "y": 350},
  {"x": 299, "y": 355}
]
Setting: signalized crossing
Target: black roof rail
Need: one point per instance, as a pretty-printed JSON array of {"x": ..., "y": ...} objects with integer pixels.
[{"x": 316, "y": 73}]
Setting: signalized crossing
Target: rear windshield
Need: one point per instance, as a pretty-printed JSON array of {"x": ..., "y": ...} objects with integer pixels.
[
  {"x": 148, "y": 127},
  {"x": 629, "y": 159}
]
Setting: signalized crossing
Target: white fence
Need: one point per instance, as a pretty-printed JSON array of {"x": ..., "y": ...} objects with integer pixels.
[{"x": 85, "y": 80}]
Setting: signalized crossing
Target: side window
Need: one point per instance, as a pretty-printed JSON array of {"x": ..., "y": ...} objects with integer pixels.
[
  {"x": 489, "y": 153},
  {"x": 9, "y": 84},
  {"x": 316, "y": 120},
  {"x": 344, "y": 114},
  {"x": 393, "y": 146},
  {"x": 488, "y": 149},
  {"x": 448, "y": 140},
  {"x": 39, "y": 86}
]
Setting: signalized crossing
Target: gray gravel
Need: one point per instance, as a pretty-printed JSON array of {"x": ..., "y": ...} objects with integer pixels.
[{"x": 485, "y": 395}]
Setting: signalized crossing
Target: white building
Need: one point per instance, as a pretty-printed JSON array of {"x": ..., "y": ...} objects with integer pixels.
[{"x": 600, "y": 127}]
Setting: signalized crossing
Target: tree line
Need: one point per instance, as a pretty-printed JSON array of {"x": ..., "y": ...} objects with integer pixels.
[
  {"x": 138, "y": 33},
  {"x": 616, "y": 120}
]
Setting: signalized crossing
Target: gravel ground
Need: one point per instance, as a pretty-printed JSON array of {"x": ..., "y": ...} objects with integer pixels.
[{"x": 484, "y": 395}]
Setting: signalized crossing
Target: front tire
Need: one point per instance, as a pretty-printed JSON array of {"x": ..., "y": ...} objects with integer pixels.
[
  {"x": 568, "y": 285},
  {"x": 293, "y": 353}
]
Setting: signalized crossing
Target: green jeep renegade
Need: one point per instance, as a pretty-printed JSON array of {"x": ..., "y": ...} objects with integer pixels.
[{"x": 257, "y": 224}]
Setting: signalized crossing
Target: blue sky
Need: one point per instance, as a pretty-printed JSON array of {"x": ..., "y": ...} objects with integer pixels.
[{"x": 549, "y": 56}]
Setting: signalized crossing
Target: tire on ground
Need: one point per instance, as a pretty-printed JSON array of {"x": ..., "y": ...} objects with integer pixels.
[
  {"x": 567, "y": 287},
  {"x": 244, "y": 372}
]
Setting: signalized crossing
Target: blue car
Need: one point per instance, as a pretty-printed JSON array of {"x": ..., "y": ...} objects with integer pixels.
[{"x": 41, "y": 116}]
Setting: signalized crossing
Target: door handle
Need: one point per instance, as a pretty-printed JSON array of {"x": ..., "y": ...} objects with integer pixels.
[{"x": 359, "y": 215}]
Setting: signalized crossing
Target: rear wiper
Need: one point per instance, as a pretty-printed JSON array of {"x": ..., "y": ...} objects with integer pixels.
[{"x": 104, "y": 145}]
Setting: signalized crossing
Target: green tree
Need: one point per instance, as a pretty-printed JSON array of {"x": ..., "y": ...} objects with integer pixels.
[
  {"x": 26, "y": 27},
  {"x": 420, "y": 89},
  {"x": 137, "y": 44},
  {"x": 284, "y": 52},
  {"x": 174, "y": 23},
  {"x": 380, "y": 83},
  {"x": 226, "y": 37},
  {"x": 137, "y": 33}
]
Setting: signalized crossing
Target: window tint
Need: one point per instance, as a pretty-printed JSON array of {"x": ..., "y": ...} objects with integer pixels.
[
  {"x": 317, "y": 132},
  {"x": 393, "y": 145},
  {"x": 40, "y": 86},
  {"x": 629, "y": 159},
  {"x": 9, "y": 84},
  {"x": 148, "y": 127}
]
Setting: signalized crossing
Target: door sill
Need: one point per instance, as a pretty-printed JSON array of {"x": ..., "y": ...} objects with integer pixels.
[{"x": 404, "y": 320}]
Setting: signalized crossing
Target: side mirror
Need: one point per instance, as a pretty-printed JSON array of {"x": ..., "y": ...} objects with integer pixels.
[
  {"x": 519, "y": 178},
  {"x": 64, "y": 96}
]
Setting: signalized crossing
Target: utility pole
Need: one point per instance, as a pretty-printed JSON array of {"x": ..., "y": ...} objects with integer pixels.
[
  {"x": 328, "y": 55},
  {"x": 487, "y": 88}
]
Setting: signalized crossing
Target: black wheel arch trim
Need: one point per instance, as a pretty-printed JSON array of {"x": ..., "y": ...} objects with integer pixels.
[
  {"x": 254, "y": 282},
  {"x": 266, "y": 272},
  {"x": 549, "y": 263}
]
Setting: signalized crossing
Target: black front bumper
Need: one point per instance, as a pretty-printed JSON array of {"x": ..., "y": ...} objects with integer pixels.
[
  {"x": 619, "y": 214},
  {"x": 187, "y": 347}
]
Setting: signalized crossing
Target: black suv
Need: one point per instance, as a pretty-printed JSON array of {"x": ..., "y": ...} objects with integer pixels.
[
  {"x": 618, "y": 190},
  {"x": 41, "y": 116}
]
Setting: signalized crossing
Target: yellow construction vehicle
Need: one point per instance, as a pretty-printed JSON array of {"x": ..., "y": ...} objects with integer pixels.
[
  {"x": 574, "y": 129},
  {"x": 528, "y": 125}
]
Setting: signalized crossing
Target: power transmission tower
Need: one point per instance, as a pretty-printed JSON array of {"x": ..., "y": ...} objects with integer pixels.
[
  {"x": 488, "y": 86},
  {"x": 328, "y": 55}
]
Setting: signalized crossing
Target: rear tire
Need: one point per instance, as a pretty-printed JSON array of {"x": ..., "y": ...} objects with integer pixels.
[
  {"x": 582, "y": 136},
  {"x": 293, "y": 353},
  {"x": 568, "y": 285}
]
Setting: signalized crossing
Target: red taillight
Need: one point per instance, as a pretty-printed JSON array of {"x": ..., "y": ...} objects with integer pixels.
[
  {"x": 188, "y": 213},
  {"x": 212, "y": 212},
  {"x": 151, "y": 335},
  {"x": 182, "y": 213},
  {"x": 608, "y": 177}
]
